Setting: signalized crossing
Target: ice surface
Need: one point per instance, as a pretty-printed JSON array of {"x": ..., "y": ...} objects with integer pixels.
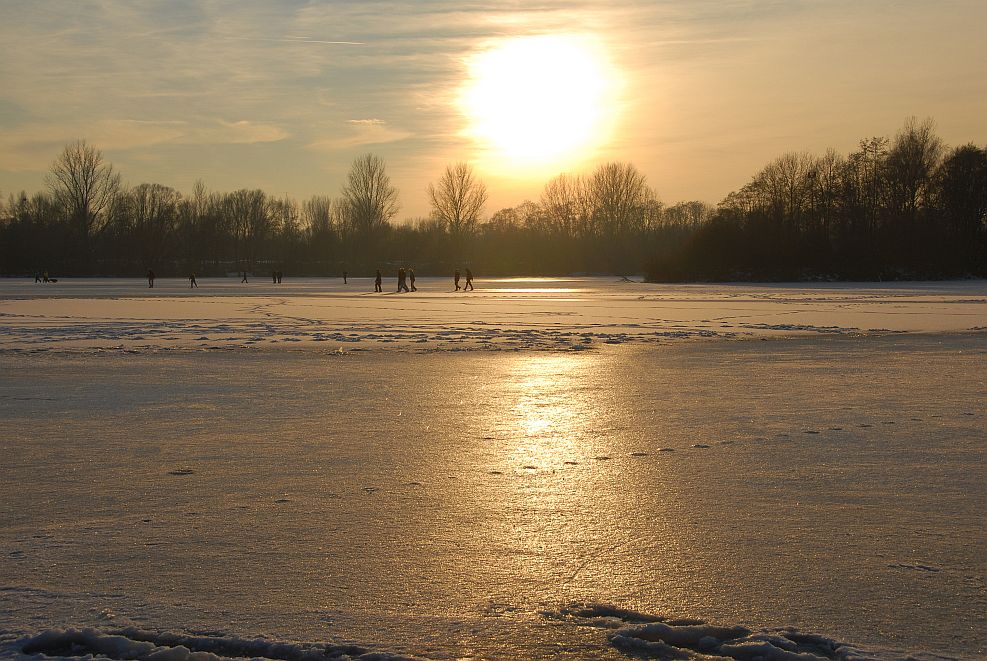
[
  {"x": 454, "y": 504},
  {"x": 570, "y": 314}
]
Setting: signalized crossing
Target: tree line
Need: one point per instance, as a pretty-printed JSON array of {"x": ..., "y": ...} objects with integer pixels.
[
  {"x": 905, "y": 207},
  {"x": 900, "y": 208}
]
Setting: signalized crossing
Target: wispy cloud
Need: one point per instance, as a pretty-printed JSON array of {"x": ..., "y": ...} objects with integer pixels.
[
  {"x": 33, "y": 147},
  {"x": 360, "y": 132}
]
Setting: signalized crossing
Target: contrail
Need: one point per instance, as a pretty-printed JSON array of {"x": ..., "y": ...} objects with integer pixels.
[{"x": 300, "y": 40}]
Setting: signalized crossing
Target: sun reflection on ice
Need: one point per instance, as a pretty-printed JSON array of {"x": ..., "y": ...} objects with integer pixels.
[{"x": 550, "y": 409}]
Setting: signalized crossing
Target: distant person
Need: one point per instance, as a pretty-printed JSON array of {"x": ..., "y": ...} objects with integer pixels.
[
  {"x": 344, "y": 277},
  {"x": 150, "y": 278},
  {"x": 411, "y": 277},
  {"x": 37, "y": 276},
  {"x": 280, "y": 275},
  {"x": 244, "y": 279},
  {"x": 456, "y": 279},
  {"x": 44, "y": 277},
  {"x": 191, "y": 281},
  {"x": 377, "y": 287},
  {"x": 402, "y": 280},
  {"x": 274, "y": 277},
  {"x": 469, "y": 281}
]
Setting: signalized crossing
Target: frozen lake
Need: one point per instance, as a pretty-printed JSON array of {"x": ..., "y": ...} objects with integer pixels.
[
  {"x": 511, "y": 313},
  {"x": 413, "y": 499}
]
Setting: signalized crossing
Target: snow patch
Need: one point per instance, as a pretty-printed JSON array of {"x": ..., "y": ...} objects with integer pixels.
[{"x": 643, "y": 635}]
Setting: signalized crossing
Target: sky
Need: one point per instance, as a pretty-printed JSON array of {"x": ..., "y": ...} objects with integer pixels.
[{"x": 284, "y": 95}]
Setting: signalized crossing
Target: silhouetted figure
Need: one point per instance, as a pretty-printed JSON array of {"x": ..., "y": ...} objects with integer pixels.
[
  {"x": 377, "y": 287},
  {"x": 344, "y": 277},
  {"x": 280, "y": 275},
  {"x": 191, "y": 281},
  {"x": 469, "y": 281},
  {"x": 456, "y": 278},
  {"x": 44, "y": 277},
  {"x": 37, "y": 276},
  {"x": 274, "y": 277},
  {"x": 150, "y": 278},
  {"x": 244, "y": 279},
  {"x": 402, "y": 280},
  {"x": 411, "y": 276}
]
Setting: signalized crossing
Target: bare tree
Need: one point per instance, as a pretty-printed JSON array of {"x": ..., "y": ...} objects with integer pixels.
[
  {"x": 458, "y": 199},
  {"x": 865, "y": 169},
  {"x": 567, "y": 205},
  {"x": 370, "y": 198},
  {"x": 317, "y": 215},
  {"x": 620, "y": 198},
  {"x": 786, "y": 184},
  {"x": 85, "y": 187},
  {"x": 911, "y": 163}
]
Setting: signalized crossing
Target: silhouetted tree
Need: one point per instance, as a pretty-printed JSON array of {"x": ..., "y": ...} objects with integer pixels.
[
  {"x": 458, "y": 199},
  {"x": 567, "y": 205},
  {"x": 620, "y": 198},
  {"x": 371, "y": 200},
  {"x": 960, "y": 196},
  {"x": 84, "y": 185}
]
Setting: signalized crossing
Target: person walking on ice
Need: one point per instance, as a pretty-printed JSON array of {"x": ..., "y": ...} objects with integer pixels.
[
  {"x": 455, "y": 278},
  {"x": 244, "y": 278},
  {"x": 191, "y": 281},
  {"x": 377, "y": 287},
  {"x": 411, "y": 276},
  {"x": 150, "y": 278},
  {"x": 469, "y": 281}
]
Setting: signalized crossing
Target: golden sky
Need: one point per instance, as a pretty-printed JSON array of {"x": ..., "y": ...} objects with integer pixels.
[{"x": 284, "y": 95}]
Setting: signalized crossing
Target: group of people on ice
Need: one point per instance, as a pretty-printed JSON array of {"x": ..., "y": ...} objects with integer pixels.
[
  {"x": 406, "y": 280},
  {"x": 404, "y": 277}
]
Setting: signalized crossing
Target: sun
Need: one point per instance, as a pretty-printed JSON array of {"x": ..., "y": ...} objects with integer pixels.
[{"x": 539, "y": 100}]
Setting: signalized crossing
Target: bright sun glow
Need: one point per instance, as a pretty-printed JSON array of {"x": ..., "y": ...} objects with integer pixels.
[{"x": 539, "y": 100}]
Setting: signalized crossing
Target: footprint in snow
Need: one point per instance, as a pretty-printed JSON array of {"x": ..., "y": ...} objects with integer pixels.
[
  {"x": 810, "y": 431},
  {"x": 639, "y": 454},
  {"x": 570, "y": 463},
  {"x": 666, "y": 449},
  {"x": 602, "y": 458},
  {"x": 701, "y": 446},
  {"x": 182, "y": 471}
]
